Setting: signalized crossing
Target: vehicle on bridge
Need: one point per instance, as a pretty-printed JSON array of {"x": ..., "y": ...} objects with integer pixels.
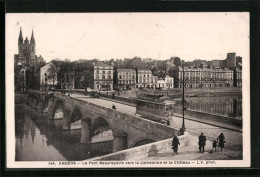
[{"x": 158, "y": 111}]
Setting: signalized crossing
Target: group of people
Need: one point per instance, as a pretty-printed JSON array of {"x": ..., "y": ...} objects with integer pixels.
[
  {"x": 201, "y": 143},
  {"x": 220, "y": 140}
]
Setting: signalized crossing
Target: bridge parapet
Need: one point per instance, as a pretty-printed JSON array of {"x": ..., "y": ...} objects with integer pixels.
[
  {"x": 123, "y": 121},
  {"x": 143, "y": 151}
]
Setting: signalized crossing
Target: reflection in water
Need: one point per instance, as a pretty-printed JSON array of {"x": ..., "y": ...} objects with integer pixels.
[
  {"x": 229, "y": 105},
  {"x": 40, "y": 139}
]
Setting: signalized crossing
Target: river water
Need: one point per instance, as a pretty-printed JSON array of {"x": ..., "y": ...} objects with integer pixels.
[
  {"x": 41, "y": 139},
  {"x": 230, "y": 106}
]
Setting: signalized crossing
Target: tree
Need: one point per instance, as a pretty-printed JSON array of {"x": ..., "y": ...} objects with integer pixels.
[
  {"x": 177, "y": 61},
  {"x": 53, "y": 72}
]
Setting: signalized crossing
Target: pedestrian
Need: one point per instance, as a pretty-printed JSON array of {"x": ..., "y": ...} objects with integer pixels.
[
  {"x": 202, "y": 142},
  {"x": 221, "y": 139},
  {"x": 214, "y": 145},
  {"x": 175, "y": 144},
  {"x": 114, "y": 107},
  {"x": 168, "y": 122}
]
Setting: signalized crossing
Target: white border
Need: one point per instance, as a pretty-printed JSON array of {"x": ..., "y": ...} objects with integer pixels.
[{"x": 10, "y": 132}]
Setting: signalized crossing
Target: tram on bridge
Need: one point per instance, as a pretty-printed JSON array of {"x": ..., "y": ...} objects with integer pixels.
[{"x": 158, "y": 111}]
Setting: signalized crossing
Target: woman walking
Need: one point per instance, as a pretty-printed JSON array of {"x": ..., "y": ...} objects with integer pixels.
[
  {"x": 175, "y": 144},
  {"x": 221, "y": 139}
]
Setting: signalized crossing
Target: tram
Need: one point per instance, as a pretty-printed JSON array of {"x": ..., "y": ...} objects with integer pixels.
[{"x": 159, "y": 111}]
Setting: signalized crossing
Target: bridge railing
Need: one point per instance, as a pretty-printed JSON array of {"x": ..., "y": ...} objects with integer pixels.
[
  {"x": 131, "y": 121},
  {"x": 141, "y": 152}
]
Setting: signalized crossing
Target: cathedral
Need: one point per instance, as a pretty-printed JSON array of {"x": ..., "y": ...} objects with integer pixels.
[{"x": 26, "y": 52}]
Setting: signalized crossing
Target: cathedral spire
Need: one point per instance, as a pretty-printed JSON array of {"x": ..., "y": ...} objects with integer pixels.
[
  {"x": 32, "y": 38},
  {"x": 20, "y": 40}
]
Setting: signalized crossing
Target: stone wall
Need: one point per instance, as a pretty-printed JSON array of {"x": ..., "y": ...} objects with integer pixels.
[
  {"x": 143, "y": 151},
  {"x": 206, "y": 116}
]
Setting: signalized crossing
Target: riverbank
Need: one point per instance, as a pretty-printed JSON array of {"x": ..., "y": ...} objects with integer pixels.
[{"x": 195, "y": 92}]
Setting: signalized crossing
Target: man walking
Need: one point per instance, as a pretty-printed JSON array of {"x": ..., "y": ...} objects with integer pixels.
[{"x": 202, "y": 142}]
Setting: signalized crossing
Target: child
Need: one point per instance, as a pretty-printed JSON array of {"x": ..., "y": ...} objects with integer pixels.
[{"x": 214, "y": 145}]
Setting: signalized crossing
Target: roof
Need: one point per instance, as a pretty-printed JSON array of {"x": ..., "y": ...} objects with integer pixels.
[
  {"x": 125, "y": 70},
  {"x": 167, "y": 76},
  {"x": 102, "y": 64}
]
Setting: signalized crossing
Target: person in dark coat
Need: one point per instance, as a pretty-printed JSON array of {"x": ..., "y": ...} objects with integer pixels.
[
  {"x": 221, "y": 139},
  {"x": 202, "y": 142},
  {"x": 114, "y": 107},
  {"x": 168, "y": 122},
  {"x": 175, "y": 144}
]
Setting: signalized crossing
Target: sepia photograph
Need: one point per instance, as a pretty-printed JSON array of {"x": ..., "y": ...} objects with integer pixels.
[{"x": 128, "y": 90}]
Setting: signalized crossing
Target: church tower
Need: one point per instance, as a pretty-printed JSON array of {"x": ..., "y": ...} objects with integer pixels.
[
  {"x": 32, "y": 46},
  {"x": 26, "y": 51},
  {"x": 20, "y": 44}
]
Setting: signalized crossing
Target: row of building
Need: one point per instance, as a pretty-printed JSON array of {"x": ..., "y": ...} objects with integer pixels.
[{"x": 105, "y": 77}]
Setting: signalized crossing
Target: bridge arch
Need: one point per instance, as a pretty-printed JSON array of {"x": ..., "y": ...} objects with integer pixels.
[
  {"x": 58, "y": 110},
  {"x": 141, "y": 141},
  {"x": 75, "y": 119},
  {"x": 100, "y": 125}
]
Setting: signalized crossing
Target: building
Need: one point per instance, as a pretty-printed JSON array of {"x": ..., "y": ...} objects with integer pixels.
[
  {"x": 144, "y": 79},
  {"x": 169, "y": 81},
  {"x": 48, "y": 78},
  {"x": 218, "y": 63},
  {"x": 161, "y": 83},
  {"x": 198, "y": 77},
  {"x": 100, "y": 76},
  {"x": 26, "y": 52},
  {"x": 126, "y": 78},
  {"x": 154, "y": 81},
  {"x": 238, "y": 77},
  {"x": 231, "y": 60}
]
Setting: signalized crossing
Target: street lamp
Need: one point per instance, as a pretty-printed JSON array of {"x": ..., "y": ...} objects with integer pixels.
[{"x": 182, "y": 130}]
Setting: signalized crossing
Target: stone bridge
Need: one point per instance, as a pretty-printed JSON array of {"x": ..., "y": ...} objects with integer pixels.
[{"x": 128, "y": 130}]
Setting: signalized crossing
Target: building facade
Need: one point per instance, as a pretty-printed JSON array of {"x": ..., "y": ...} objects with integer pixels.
[
  {"x": 100, "y": 77},
  {"x": 198, "y": 78},
  {"x": 46, "y": 81},
  {"x": 144, "y": 79},
  {"x": 126, "y": 78},
  {"x": 238, "y": 77},
  {"x": 26, "y": 52},
  {"x": 169, "y": 81}
]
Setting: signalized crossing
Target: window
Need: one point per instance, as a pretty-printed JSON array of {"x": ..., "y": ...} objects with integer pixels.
[
  {"x": 104, "y": 72},
  {"x": 120, "y": 77},
  {"x": 45, "y": 74},
  {"x": 109, "y": 72},
  {"x": 98, "y": 71},
  {"x": 109, "y": 77},
  {"x": 103, "y": 77},
  {"x": 45, "y": 79}
]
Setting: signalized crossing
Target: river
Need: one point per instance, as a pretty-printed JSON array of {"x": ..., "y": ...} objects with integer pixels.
[
  {"x": 39, "y": 138},
  {"x": 230, "y": 106}
]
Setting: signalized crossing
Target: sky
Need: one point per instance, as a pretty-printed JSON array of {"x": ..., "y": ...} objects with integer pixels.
[{"x": 126, "y": 35}]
